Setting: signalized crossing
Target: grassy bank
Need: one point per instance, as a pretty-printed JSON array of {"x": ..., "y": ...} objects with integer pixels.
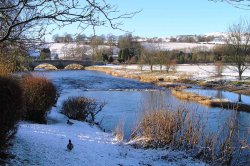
[{"x": 212, "y": 102}]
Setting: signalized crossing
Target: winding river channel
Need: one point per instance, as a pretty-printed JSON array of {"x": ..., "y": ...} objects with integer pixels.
[{"x": 126, "y": 98}]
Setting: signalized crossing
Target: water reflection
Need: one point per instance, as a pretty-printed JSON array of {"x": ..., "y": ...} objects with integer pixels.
[{"x": 234, "y": 97}]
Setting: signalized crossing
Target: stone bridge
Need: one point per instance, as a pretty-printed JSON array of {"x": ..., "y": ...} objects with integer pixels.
[{"x": 61, "y": 64}]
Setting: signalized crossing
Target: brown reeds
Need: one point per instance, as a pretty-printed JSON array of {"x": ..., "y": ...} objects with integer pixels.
[
  {"x": 119, "y": 131},
  {"x": 161, "y": 128},
  {"x": 186, "y": 130}
]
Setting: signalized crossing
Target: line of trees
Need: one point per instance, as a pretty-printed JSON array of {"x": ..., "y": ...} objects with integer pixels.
[
  {"x": 192, "y": 39},
  {"x": 82, "y": 38}
]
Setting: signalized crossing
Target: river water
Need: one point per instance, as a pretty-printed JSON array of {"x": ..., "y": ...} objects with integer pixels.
[{"x": 126, "y": 98}]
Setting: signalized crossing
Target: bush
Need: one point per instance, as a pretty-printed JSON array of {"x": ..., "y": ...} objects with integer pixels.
[
  {"x": 81, "y": 108},
  {"x": 10, "y": 110},
  {"x": 12, "y": 58},
  {"x": 7, "y": 65},
  {"x": 39, "y": 96}
]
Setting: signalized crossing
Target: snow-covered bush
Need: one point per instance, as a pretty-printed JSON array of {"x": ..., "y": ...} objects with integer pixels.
[
  {"x": 10, "y": 110},
  {"x": 39, "y": 96},
  {"x": 81, "y": 108}
]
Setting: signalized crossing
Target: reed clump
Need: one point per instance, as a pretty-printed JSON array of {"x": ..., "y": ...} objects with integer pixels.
[
  {"x": 119, "y": 131},
  {"x": 175, "y": 128},
  {"x": 186, "y": 130}
]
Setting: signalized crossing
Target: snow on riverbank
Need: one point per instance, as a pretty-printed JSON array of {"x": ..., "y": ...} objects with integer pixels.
[
  {"x": 196, "y": 71},
  {"x": 38, "y": 144}
]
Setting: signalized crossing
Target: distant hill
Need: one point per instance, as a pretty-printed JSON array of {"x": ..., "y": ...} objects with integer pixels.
[{"x": 181, "y": 42}]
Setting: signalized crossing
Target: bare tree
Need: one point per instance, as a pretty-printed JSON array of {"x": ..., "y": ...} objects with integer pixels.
[
  {"x": 125, "y": 41},
  {"x": 80, "y": 38},
  {"x": 81, "y": 52},
  {"x": 241, "y": 4},
  {"x": 29, "y": 19},
  {"x": 238, "y": 48},
  {"x": 149, "y": 57},
  {"x": 94, "y": 43},
  {"x": 111, "y": 40},
  {"x": 219, "y": 68}
]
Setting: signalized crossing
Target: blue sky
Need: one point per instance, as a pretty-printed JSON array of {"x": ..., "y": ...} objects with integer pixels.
[{"x": 171, "y": 17}]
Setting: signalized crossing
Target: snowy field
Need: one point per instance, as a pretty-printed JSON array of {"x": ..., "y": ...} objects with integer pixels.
[
  {"x": 187, "y": 47},
  {"x": 65, "y": 49},
  {"x": 37, "y": 144},
  {"x": 197, "y": 71}
]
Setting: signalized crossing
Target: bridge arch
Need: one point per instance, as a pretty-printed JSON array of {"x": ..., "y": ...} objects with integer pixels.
[
  {"x": 61, "y": 64},
  {"x": 46, "y": 66},
  {"x": 74, "y": 66}
]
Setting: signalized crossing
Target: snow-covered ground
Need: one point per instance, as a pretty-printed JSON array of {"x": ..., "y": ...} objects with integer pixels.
[
  {"x": 196, "y": 71},
  {"x": 187, "y": 47},
  {"x": 38, "y": 144}
]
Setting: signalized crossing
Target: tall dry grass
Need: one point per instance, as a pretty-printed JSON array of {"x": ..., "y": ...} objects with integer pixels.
[
  {"x": 119, "y": 131},
  {"x": 183, "y": 129},
  {"x": 169, "y": 128}
]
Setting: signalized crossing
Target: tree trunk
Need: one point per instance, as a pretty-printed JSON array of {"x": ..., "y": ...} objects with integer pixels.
[{"x": 240, "y": 75}]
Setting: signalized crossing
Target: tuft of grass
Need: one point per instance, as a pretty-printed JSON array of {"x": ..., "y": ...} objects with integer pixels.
[{"x": 119, "y": 131}]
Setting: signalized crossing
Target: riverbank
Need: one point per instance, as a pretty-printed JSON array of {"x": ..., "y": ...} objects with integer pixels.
[
  {"x": 209, "y": 101},
  {"x": 187, "y": 74},
  {"x": 45, "y": 144}
]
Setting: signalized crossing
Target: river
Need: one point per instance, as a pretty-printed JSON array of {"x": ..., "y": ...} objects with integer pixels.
[{"x": 126, "y": 98}]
